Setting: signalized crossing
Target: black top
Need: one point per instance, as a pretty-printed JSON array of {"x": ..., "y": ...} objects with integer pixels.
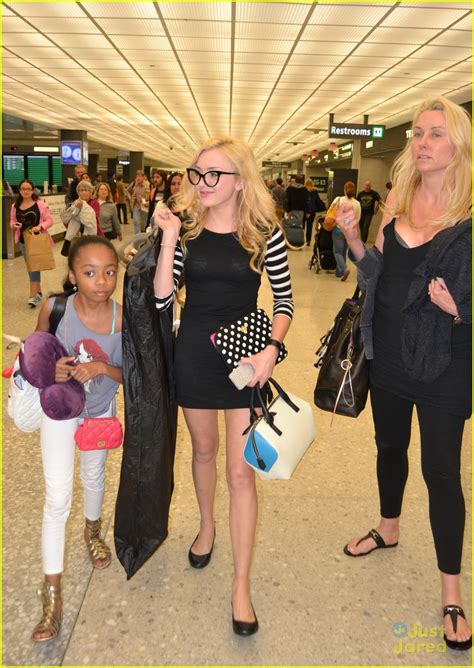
[
  {"x": 29, "y": 217},
  {"x": 367, "y": 201},
  {"x": 451, "y": 390}
]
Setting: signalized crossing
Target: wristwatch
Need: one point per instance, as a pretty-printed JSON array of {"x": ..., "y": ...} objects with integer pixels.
[{"x": 275, "y": 342}]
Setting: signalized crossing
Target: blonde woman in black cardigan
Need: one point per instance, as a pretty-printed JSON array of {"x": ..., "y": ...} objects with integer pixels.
[{"x": 417, "y": 335}]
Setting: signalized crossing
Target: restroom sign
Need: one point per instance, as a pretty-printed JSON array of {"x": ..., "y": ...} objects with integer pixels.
[{"x": 355, "y": 131}]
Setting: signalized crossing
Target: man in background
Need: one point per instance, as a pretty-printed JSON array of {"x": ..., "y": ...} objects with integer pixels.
[{"x": 369, "y": 204}]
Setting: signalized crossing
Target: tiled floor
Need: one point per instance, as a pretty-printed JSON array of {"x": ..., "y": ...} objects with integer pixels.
[{"x": 315, "y": 606}]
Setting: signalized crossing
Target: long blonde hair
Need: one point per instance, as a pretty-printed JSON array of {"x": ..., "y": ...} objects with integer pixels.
[
  {"x": 457, "y": 178},
  {"x": 256, "y": 219}
]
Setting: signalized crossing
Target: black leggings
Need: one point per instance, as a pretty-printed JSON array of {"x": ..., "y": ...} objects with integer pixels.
[{"x": 441, "y": 438}]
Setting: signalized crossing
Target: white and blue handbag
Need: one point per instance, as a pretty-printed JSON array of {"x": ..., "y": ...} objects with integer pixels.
[{"x": 278, "y": 438}]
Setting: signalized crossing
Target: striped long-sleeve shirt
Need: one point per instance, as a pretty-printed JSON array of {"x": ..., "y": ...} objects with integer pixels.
[{"x": 276, "y": 266}]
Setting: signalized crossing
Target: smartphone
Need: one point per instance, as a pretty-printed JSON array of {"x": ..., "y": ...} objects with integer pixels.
[{"x": 242, "y": 375}]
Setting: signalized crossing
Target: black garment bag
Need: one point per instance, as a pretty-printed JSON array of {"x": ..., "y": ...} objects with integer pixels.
[{"x": 146, "y": 478}]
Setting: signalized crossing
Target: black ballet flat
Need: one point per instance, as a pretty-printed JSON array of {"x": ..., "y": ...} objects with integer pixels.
[
  {"x": 244, "y": 628},
  {"x": 455, "y": 611},
  {"x": 200, "y": 560}
]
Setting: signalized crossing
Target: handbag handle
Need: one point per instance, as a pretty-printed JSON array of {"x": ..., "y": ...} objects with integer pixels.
[{"x": 267, "y": 414}]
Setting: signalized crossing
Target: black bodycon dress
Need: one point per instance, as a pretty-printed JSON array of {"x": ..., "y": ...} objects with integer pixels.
[{"x": 220, "y": 287}]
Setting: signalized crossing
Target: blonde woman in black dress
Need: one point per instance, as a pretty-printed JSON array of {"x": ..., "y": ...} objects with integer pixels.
[{"x": 232, "y": 236}]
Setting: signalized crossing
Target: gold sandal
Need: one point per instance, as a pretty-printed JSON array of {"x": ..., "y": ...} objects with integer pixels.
[
  {"x": 51, "y": 620},
  {"x": 98, "y": 550}
]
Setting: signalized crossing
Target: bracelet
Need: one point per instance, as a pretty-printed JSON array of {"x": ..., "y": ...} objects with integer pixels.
[
  {"x": 276, "y": 343},
  {"x": 167, "y": 245}
]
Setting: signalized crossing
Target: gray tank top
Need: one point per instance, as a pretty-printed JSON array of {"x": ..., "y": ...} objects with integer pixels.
[{"x": 86, "y": 346}]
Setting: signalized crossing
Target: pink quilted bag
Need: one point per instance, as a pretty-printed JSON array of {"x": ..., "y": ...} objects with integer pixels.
[{"x": 103, "y": 433}]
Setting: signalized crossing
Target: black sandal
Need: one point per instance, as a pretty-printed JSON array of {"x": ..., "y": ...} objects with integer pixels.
[
  {"x": 379, "y": 544},
  {"x": 455, "y": 611}
]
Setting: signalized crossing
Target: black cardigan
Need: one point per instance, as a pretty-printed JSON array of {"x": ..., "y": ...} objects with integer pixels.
[{"x": 427, "y": 329}]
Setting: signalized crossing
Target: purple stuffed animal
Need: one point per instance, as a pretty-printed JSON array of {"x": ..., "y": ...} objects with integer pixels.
[{"x": 38, "y": 356}]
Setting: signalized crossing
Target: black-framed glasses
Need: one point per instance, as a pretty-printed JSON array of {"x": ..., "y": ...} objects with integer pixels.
[{"x": 210, "y": 178}]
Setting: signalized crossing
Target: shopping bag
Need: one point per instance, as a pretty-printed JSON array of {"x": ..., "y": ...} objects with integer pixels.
[{"x": 38, "y": 251}]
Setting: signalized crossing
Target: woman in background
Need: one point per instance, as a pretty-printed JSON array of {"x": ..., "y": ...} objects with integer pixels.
[
  {"x": 28, "y": 212},
  {"x": 108, "y": 218}
]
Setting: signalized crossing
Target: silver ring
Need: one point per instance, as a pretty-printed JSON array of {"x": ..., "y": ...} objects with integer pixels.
[{"x": 346, "y": 221}]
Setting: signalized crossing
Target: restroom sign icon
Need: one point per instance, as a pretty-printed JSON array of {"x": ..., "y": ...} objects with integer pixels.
[{"x": 377, "y": 131}]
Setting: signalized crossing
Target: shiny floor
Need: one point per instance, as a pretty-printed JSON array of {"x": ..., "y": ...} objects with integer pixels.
[{"x": 315, "y": 605}]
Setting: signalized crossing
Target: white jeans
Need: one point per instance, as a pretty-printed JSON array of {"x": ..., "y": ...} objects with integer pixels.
[{"x": 57, "y": 449}]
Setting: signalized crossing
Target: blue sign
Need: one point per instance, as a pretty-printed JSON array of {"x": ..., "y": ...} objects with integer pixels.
[{"x": 71, "y": 152}]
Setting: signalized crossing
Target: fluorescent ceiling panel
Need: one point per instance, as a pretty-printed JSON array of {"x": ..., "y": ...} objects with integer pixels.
[
  {"x": 392, "y": 50},
  {"x": 272, "y": 12},
  {"x": 464, "y": 24},
  {"x": 51, "y": 25},
  {"x": 276, "y": 59},
  {"x": 324, "y": 34},
  {"x": 14, "y": 24},
  {"x": 349, "y": 14},
  {"x": 196, "y": 11},
  {"x": 439, "y": 17},
  {"x": 199, "y": 29},
  {"x": 132, "y": 26},
  {"x": 380, "y": 63},
  {"x": 324, "y": 48},
  {"x": 402, "y": 35},
  {"x": 43, "y": 52},
  {"x": 315, "y": 61},
  {"x": 204, "y": 43},
  {"x": 121, "y": 10},
  {"x": 155, "y": 43},
  {"x": 263, "y": 46},
  {"x": 443, "y": 53},
  {"x": 83, "y": 41},
  {"x": 461, "y": 38},
  {"x": 277, "y": 31},
  {"x": 54, "y": 9},
  {"x": 25, "y": 39}
]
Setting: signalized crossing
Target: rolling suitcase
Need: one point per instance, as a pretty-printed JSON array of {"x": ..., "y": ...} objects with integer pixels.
[{"x": 294, "y": 228}]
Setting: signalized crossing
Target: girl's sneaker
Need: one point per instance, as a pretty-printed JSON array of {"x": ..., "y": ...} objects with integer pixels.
[{"x": 34, "y": 301}]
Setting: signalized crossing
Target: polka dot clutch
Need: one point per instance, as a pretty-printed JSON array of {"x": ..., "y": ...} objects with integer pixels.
[{"x": 245, "y": 337}]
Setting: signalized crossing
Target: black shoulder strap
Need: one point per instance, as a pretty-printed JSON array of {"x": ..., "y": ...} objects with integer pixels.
[{"x": 57, "y": 312}]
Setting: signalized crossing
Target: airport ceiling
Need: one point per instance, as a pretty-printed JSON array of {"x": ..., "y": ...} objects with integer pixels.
[{"x": 147, "y": 76}]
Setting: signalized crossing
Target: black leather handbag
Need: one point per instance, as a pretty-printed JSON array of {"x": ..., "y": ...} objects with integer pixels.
[{"x": 343, "y": 380}]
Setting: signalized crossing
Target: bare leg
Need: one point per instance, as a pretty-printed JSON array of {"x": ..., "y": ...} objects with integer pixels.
[
  {"x": 389, "y": 529},
  {"x": 242, "y": 513},
  {"x": 35, "y": 287},
  {"x": 202, "y": 425},
  {"x": 451, "y": 595}
]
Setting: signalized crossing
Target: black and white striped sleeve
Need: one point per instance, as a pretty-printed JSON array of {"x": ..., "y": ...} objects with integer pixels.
[
  {"x": 276, "y": 264},
  {"x": 162, "y": 303}
]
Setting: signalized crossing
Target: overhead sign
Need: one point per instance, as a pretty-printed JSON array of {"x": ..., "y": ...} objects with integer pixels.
[
  {"x": 321, "y": 183},
  {"x": 355, "y": 130},
  {"x": 71, "y": 153},
  {"x": 269, "y": 163}
]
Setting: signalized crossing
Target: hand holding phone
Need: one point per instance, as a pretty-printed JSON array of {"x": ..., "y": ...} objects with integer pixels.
[{"x": 242, "y": 375}]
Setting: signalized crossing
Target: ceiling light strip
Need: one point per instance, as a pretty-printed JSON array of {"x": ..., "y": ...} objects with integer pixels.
[
  {"x": 370, "y": 31},
  {"x": 147, "y": 135},
  {"x": 180, "y": 64},
  {"x": 277, "y": 81},
  {"x": 139, "y": 76},
  {"x": 232, "y": 63}
]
